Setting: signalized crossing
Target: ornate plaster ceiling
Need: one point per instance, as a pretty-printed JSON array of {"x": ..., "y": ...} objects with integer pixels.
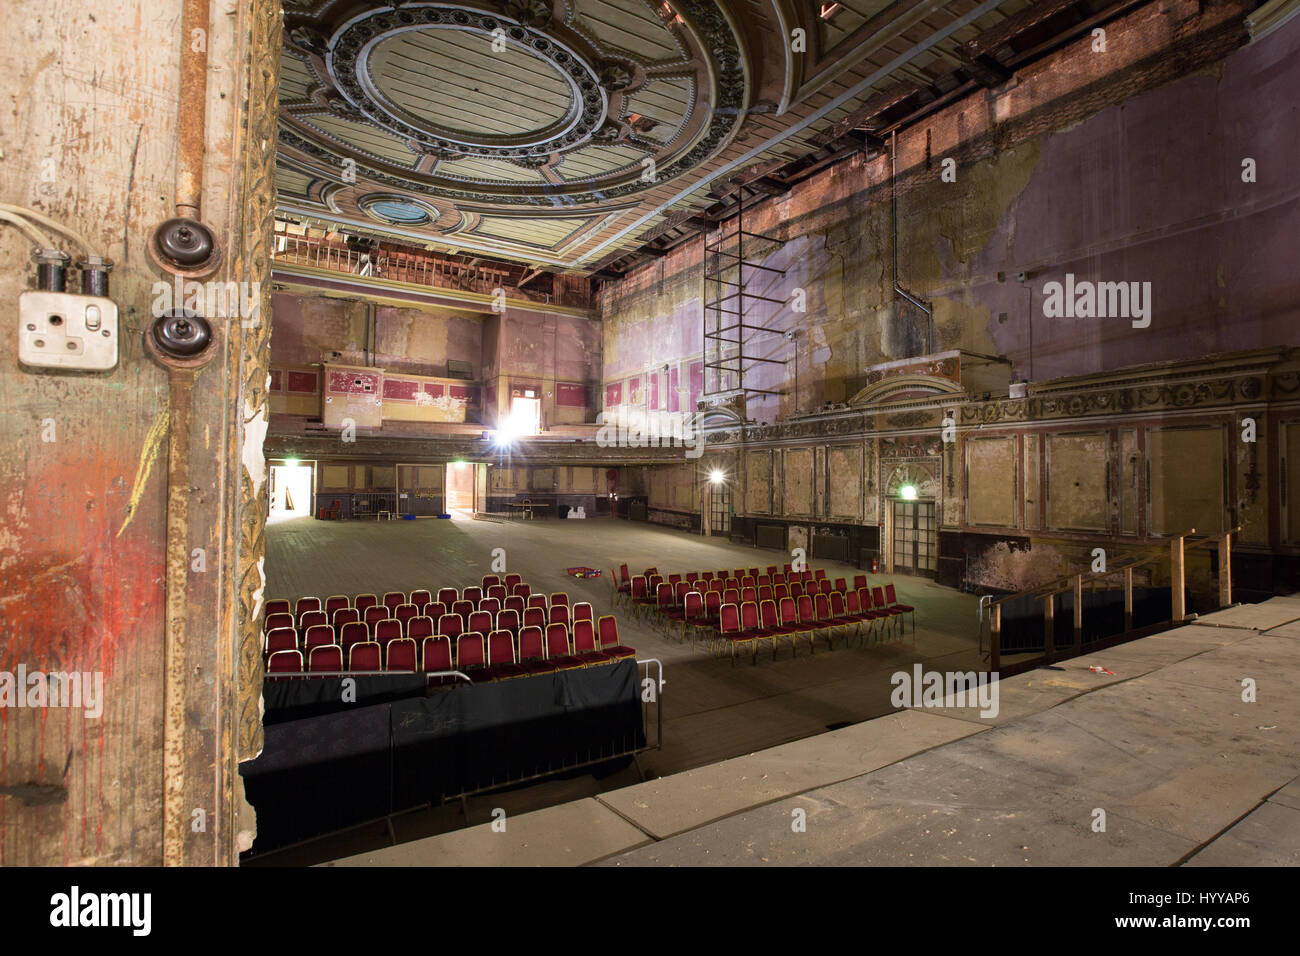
[{"x": 565, "y": 133}]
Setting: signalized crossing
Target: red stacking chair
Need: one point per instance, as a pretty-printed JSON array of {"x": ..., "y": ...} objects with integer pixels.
[
  {"x": 663, "y": 605},
  {"x": 559, "y": 614},
  {"x": 515, "y": 603},
  {"x": 607, "y": 629},
  {"x": 305, "y": 604},
  {"x": 840, "y": 615},
  {"x": 277, "y": 620},
  {"x": 537, "y": 600},
  {"x": 779, "y": 591},
  {"x": 389, "y": 630},
  {"x": 791, "y": 626},
  {"x": 512, "y": 579},
  {"x": 490, "y": 580},
  {"x": 480, "y": 621},
  {"x": 344, "y": 615},
  {"x": 501, "y": 656},
  {"x": 281, "y": 639},
  {"x": 787, "y": 568},
  {"x": 778, "y": 578},
  {"x": 365, "y": 656},
  {"x": 329, "y": 658},
  {"x": 559, "y": 597},
  {"x": 770, "y": 570},
  {"x": 680, "y": 590},
  {"x": 673, "y": 614},
  {"x": 352, "y": 635},
  {"x": 451, "y": 625},
  {"x": 796, "y": 589},
  {"x": 285, "y": 662},
  {"x": 278, "y": 606},
  {"x": 692, "y": 577},
  {"x": 764, "y": 592},
  {"x": 318, "y": 635},
  {"x": 585, "y": 651},
  {"x": 474, "y": 594},
  {"x": 421, "y": 599},
  {"x": 582, "y": 611},
  {"x": 374, "y": 615},
  {"x": 508, "y": 620},
  {"x": 840, "y": 585},
  {"x": 752, "y": 572},
  {"x": 751, "y": 629},
  {"x": 731, "y": 596},
  {"x": 771, "y": 626},
  {"x": 522, "y": 589},
  {"x": 737, "y": 573},
  {"x": 463, "y": 608},
  {"x": 399, "y": 655},
  {"x": 673, "y": 579},
  {"x": 404, "y": 613},
  {"x": 419, "y": 627},
  {"x": 859, "y": 581},
  {"x": 534, "y": 617},
  {"x": 532, "y": 652},
  {"x": 471, "y": 657},
  {"x": 749, "y": 595},
  {"x": 638, "y": 596},
  {"x": 498, "y": 591},
  {"x": 558, "y": 651},
  {"x": 448, "y": 596},
  {"x": 728, "y": 627},
  {"x": 712, "y": 608},
  {"x": 749, "y": 581},
  {"x": 706, "y": 575},
  {"x": 363, "y": 601},
  {"x": 869, "y": 614},
  {"x": 435, "y": 654},
  {"x": 809, "y": 623},
  {"x": 731, "y": 584},
  {"x": 336, "y": 602},
  {"x": 310, "y": 619},
  {"x": 490, "y": 604},
  {"x": 825, "y": 620},
  {"x": 435, "y": 610},
  {"x": 694, "y": 617},
  {"x": 618, "y": 592},
  {"x": 878, "y": 603},
  {"x": 820, "y": 574},
  {"x": 392, "y": 599},
  {"x": 891, "y": 598}
]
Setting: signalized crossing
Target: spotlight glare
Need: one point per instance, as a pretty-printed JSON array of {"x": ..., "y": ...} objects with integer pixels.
[
  {"x": 716, "y": 476},
  {"x": 907, "y": 492}
]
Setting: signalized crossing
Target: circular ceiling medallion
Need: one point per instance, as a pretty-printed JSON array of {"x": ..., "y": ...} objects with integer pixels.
[
  {"x": 462, "y": 82},
  {"x": 398, "y": 210}
]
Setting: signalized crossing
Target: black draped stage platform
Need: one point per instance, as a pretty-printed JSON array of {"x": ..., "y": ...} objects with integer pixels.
[{"x": 327, "y": 765}]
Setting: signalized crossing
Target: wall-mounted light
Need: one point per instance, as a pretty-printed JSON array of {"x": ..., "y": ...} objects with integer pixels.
[
  {"x": 716, "y": 476},
  {"x": 907, "y": 492}
]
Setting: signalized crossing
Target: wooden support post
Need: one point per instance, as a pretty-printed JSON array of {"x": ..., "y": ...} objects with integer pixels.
[
  {"x": 995, "y": 638},
  {"x": 1128, "y": 599},
  {"x": 1078, "y": 613},
  {"x": 1225, "y": 570},
  {"x": 1176, "y": 576},
  {"x": 1049, "y": 626}
]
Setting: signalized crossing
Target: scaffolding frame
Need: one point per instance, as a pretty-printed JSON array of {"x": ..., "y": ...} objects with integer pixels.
[{"x": 726, "y": 283}]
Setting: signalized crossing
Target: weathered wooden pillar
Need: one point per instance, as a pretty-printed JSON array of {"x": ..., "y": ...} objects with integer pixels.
[
  {"x": 1177, "y": 573},
  {"x": 1225, "y": 570}
]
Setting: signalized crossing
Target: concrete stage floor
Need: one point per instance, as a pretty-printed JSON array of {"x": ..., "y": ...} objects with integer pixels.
[{"x": 1186, "y": 771}]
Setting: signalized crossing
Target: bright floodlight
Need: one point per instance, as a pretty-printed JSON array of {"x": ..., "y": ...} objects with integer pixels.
[
  {"x": 715, "y": 476},
  {"x": 907, "y": 492}
]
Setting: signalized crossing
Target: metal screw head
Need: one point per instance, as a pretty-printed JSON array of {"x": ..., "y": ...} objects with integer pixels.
[{"x": 39, "y": 343}]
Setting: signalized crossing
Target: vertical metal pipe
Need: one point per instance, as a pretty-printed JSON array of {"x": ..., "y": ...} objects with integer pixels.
[{"x": 192, "y": 114}]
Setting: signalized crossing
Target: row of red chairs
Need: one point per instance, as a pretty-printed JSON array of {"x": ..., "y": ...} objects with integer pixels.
[
  {"x": 439, "y": 620},
  {"x": 753, "y": 623},
  {"x": 500, "y": 655},
  {"x": 340, "y": 609}
]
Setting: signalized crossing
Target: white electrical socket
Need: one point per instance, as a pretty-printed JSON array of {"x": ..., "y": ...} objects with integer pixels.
[{"x": 61, "y": 330}]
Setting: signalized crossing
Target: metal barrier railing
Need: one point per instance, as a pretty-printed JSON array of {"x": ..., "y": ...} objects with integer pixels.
[{"x": 1075, "y": 584}]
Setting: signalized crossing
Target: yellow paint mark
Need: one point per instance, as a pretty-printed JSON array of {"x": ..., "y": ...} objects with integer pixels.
[{"x": 152, "y": 444}]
